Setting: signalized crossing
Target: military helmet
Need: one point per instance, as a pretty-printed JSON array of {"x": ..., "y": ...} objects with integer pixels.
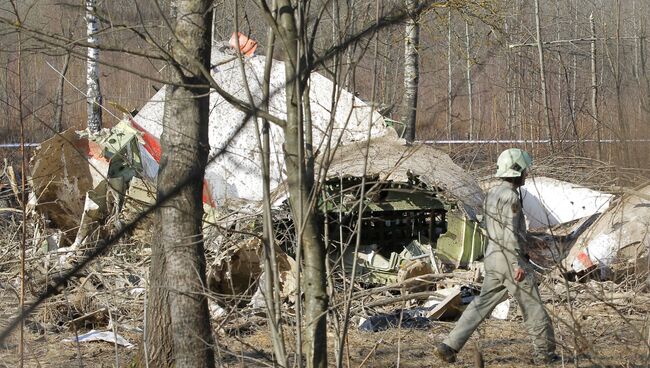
[{"x": 512, "y": 163}]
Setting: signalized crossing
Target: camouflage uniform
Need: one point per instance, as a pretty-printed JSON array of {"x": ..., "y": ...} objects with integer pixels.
[{"x": 506, "y": 227}]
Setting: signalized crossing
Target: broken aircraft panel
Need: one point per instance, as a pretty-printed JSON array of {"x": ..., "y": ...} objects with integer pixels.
[
  {"x": 408, "y": 194},
  {"x": 548, "y": 202},
  {"x": 235, "y": 175},
  {"x": 64, "y": 169},
  {"x": 618, "y": 241}
]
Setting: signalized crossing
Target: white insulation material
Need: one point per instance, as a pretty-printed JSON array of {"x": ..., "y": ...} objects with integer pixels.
[
  {"x": 548, "y": 202},
  {"x": 236, "y": 173}
]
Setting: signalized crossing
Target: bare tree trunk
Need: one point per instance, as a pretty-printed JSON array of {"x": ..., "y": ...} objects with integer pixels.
[
  {"x": 58, "y": 104},
  {"x": 349, "y": 53},
  {"x": 157, "y": 349},
  {"x": 636, "y": 42},
  {"x": 594, "y": 87},
  {"x": 625, "y": 134},
  {"x": 642, "y": 65},
  {"x": 560, "y": 66},
  {"x": 411, "y": 70},
  {"x": 185, "y": 149},
  {"x": 519, "y": 109},
  {"x": 469, "y": 83},
  {"x": 542, "y": 76},
  {"x": 509, "y": 88},
  {"x": 449, "y": 96},
  {"x": 300, "y": 189},
  {"x": 93, "y": 95},
  {"x": 574, "y": 95},
  {"x": 271, "y": 275},
  {"x": 637, "y": 78}
]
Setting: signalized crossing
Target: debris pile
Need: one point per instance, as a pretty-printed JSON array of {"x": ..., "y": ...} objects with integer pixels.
[
  {"x": 401, "y": 223},
  {"x": 418, "y": 258}
]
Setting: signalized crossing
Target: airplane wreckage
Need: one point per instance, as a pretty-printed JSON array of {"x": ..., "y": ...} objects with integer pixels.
[{"x": 419, "y": 212}]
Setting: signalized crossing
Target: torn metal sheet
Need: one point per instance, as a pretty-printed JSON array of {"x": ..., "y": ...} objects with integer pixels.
[
  {"x": 78, "y": 178},
  {"x": 463, "y": 243},
  {"x": 391, "y": 159},
  {"x": 618, "y": 239},
  {"x": 106, "y": 336},
  {"x": 91, "y": 214},
  {"x": 381, "y": 266},
  {"x": 421, "y": 175},
  {"x": 64, "y": 169},
  {"x": 548, "y": 202},
  {"x": 235, "y": 175}
]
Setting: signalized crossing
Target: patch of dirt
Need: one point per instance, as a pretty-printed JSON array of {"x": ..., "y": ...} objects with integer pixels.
[{"x": 601, "y": 337}]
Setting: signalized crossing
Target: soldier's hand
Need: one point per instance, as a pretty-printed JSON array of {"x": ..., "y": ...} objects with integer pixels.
[{"x": 520, "y": 274}]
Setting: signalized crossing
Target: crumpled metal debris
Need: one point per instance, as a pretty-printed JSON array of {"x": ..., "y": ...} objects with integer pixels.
[
  {"x": 236, "y": 272},
  {"x": 64, "y": 169},
  {"x": 390, "y": 160},
  {"x": 78, "y": 179},
  {"x": 235, "y": 175},
  {"x": 402, "y": 319},
  {"x": 618, "y": 240},
  {"x": 549, "y": 202},
  {"x": 106, "y": 336}
]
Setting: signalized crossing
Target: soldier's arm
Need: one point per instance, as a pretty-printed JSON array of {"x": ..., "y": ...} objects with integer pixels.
[{"x": 514, "y": 230}]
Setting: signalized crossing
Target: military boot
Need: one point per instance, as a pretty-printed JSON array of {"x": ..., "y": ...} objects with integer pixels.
[
  {"x": 446, "y": 353},
  {"x": 546, "y": 359}
]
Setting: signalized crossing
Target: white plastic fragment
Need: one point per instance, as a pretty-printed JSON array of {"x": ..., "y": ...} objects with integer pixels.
[
  {"x": 106, "y": 336},
  {"x": 137, "y": 291},
  {"x": 501, "y": 310},
  {"x": 215, "y": 309}
]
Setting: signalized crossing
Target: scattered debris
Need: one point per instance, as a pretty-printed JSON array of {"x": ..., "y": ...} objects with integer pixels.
[
  {"x": 501, "y": 310},
  {"x": 617, "y": 243},
  {"x": 401, "y": 319},
  {"x": 235, "y": 273},
  {"x": 449, "y": 307},
  {"x": 107, "y": 336}
]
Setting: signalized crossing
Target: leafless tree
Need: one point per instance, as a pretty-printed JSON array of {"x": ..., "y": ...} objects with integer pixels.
[
  {"x": 93, "y": 95},
  {"x": 411, "y": 70}
]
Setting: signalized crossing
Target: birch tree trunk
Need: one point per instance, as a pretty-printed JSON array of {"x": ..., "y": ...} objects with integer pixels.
[
  {"x": 625, "y": 134},
  {"x": 93, "y": 93},
  {"x": 185, "y": 150},
  {"x": 560, "y": 65},
  {"x": 411, "y": 70},
  {"x": 574, "y": 95}
]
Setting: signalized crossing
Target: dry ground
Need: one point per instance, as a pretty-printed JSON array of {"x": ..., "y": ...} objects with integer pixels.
[{"x": 613, "y": 340}]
